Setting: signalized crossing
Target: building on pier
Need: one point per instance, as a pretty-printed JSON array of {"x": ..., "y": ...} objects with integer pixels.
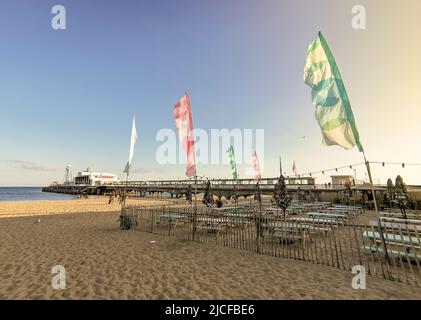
[{"x": 91, "y": 178}]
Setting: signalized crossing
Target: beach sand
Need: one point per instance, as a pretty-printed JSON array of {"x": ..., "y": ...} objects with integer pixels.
[
  {"x": 105, "y": 262},
  {"x": 92, "y": 204}
]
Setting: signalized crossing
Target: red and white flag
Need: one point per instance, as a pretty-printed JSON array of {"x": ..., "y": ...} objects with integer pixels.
[
  {"x": 294, "y": 168},
  {"x": 184, "y": 123},
  {"x": 256, "y": 166}
]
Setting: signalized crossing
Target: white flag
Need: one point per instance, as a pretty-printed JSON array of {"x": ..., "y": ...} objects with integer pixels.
[{"x": 132, "y": 144}]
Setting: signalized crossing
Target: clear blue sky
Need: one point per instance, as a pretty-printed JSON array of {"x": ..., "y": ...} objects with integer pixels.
[{"x": 67, "y": 96}]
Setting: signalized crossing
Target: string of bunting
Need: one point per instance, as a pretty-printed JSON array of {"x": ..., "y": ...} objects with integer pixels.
[{"x": 352, "y": 166}]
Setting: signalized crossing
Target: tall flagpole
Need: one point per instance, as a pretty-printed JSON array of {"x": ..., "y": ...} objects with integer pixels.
[
  {"x": 125, "y": 188},
  {"x": 183, "y": 120},
  {"x": 195, "y": 179},
  {"x": 236, "y": 191},
  {"x": 280, "y": 165},
  {"x": 373, "y": 192},
  {"x": 124, "y": 222},
  {"x": 195, "y": 204},
  {"x": 367, "y": 164},
  {"x": 236, "y": 186},
  {"x": 319, "y": 53}
]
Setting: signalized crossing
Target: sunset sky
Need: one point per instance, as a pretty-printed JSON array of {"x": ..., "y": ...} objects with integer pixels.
[{"x": 68, "y": 96}]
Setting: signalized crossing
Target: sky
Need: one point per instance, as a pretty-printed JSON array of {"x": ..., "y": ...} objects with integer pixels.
[{"x": 68, "y": 96}]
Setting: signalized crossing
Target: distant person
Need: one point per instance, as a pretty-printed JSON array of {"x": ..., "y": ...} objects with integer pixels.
[
  {"x": 122, "y": 199},
  {"x": 189, "y": 195},
  {"x": 111, "y": 200}
]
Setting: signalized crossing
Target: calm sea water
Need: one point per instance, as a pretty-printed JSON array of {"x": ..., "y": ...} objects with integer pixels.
[{"x": 30, "y": 194}]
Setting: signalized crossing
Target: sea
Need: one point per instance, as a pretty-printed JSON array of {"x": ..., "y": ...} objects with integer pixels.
[{"x": 30, "y": 194}]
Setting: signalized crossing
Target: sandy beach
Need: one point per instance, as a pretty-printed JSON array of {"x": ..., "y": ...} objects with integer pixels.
[
  {"x": 105, "y": 262},
  {"x": 92, "y": 204}
]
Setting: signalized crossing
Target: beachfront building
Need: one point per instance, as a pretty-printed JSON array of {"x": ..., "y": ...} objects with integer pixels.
[
  {"x": 91, "y": 178},
  {"x": 342, "y": 180}
]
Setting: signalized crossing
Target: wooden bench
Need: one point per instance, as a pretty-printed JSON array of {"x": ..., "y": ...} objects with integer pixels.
[
  {"x": 397, "y": 226},
  {"x": 400, "y": 220},
  {"x": 213, "y": 224},
  {"x": 400, "y": 215},
  {"x": 279, "y": 211},
  {"x": 290, "y": 227},
  {"x": 346, "y": 208},
  {"x": 406, "y": 255},
  {"x": 417, "y": 212},
  {"x": 339, "y": 211},
  {"x": 318, "y": 221},
  {"x": 396, "y": 239},
  {"x": 173, "y": 218},
  {"x": 211, "y": 227},
  {"x": 334, "y": 216}
]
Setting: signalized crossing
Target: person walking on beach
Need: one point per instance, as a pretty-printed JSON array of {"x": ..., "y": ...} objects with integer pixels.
[
  {"x": 122, "y": 198},
  {"x": 111, "y": 200},
  {"x": 189, "y": 195}
]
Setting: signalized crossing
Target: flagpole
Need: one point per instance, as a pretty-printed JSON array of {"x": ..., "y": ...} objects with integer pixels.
[
  {"x": 236, "y": 188},
  {"x": 319, "y": 53},
  {"x": 373, "y": 192},
  {"x": 195, "y": 205},
  {"x": 259, "y": 219},
  {"x": 125, "y": 187},
  {"x": 280, "y": 165}
]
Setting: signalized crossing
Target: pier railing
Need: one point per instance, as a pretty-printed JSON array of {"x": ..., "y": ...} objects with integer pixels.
[{"x": 338, "y": 243}]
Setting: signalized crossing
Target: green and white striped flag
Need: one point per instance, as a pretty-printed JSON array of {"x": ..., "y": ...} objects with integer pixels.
[
  {"x": 231, "y": 157},
  {"x": 333, "y": 109}
]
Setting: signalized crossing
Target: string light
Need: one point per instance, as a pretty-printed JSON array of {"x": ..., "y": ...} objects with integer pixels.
[
  {"x": 352, "y": 166},
  {"x": 396, "y": 163}
]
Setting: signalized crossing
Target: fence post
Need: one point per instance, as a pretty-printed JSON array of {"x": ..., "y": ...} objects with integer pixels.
[
  {"x": 258, "y": 229},
  {"x": 152, "y": 220},
  {"x": 194, "y": 226}
]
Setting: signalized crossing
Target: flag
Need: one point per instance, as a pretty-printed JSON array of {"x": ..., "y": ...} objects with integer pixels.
[
  {"x": 256, "y": 166},
  {"x": 133, "y": 140},
  {"x": 184, "y": 123},
  {"x": 333, "y": 109},
  {"x": 294, "y": 168},
  {"x": 231, "y": 157}
]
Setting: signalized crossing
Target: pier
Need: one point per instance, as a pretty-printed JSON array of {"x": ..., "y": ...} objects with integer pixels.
[{"x": 300, "y": 188}]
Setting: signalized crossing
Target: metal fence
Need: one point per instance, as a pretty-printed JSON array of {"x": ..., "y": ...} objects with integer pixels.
[{"x": 388, "y": 251}]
